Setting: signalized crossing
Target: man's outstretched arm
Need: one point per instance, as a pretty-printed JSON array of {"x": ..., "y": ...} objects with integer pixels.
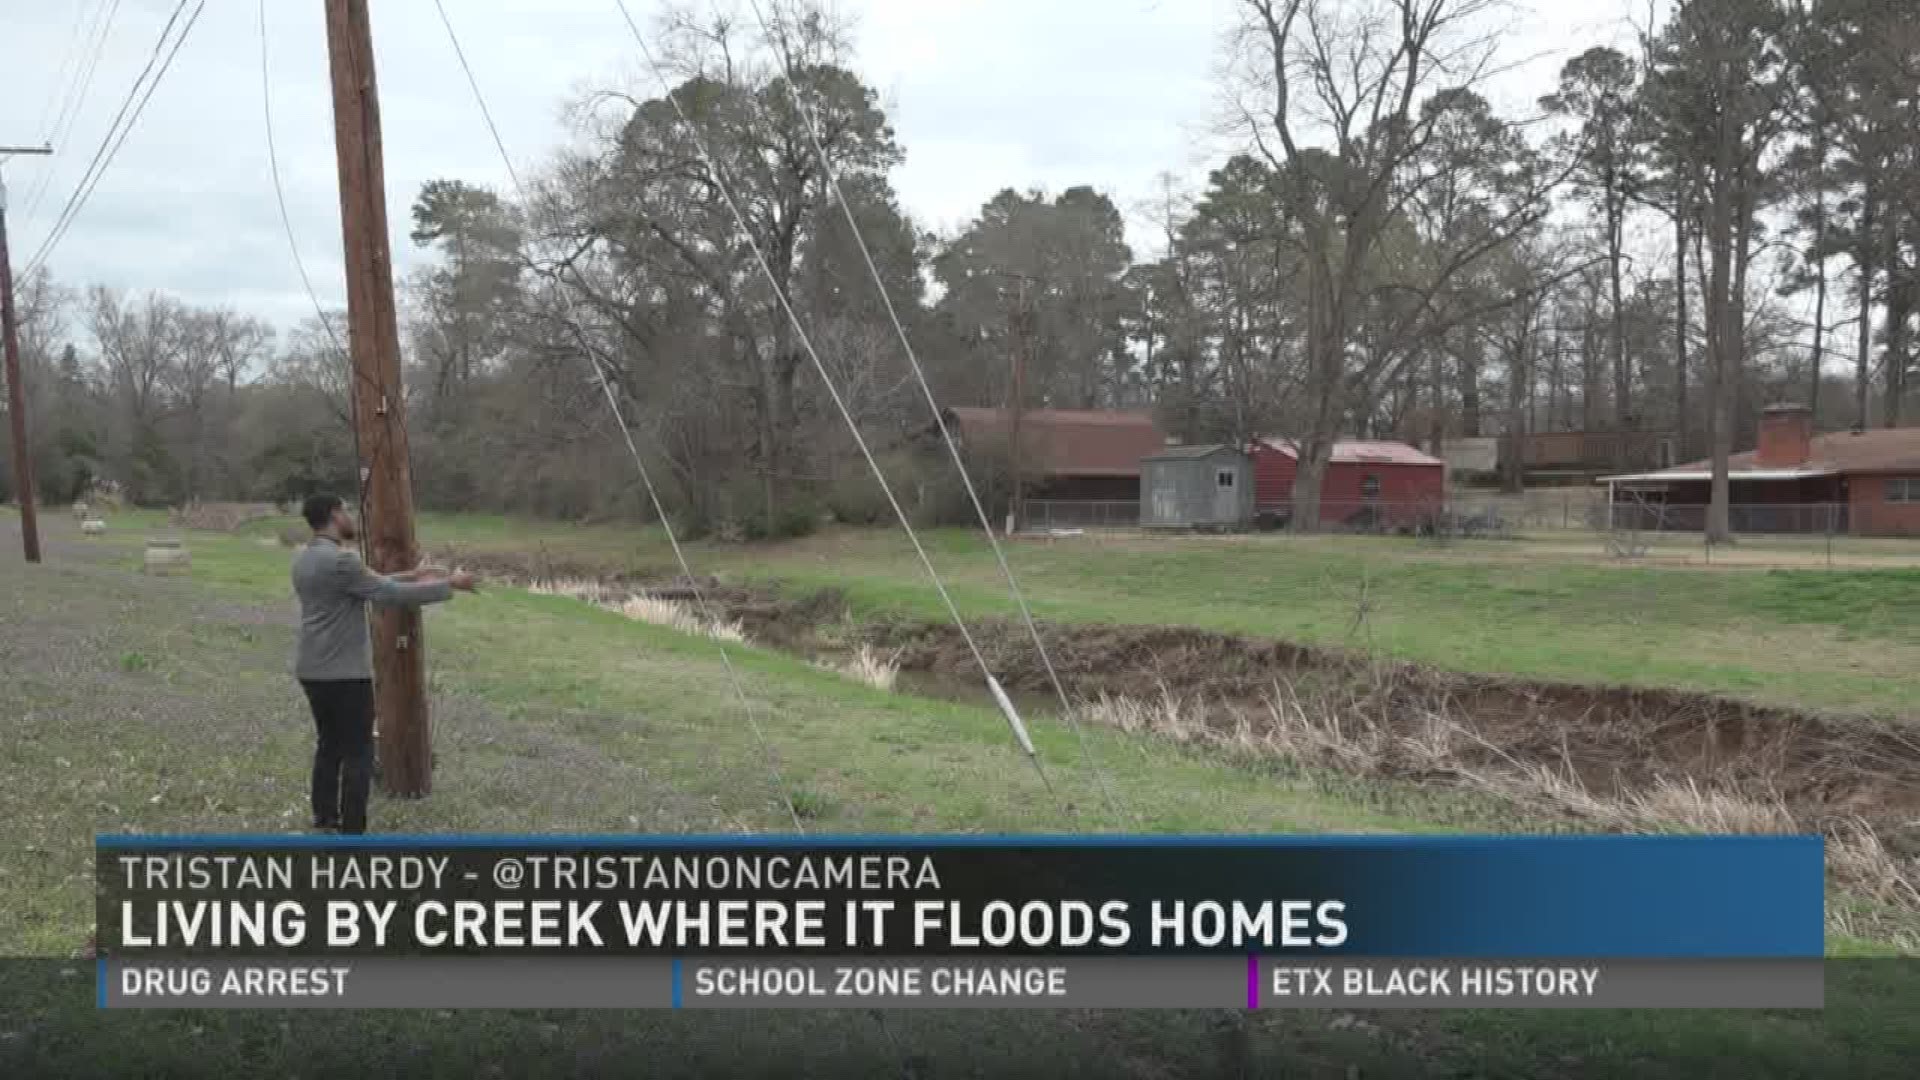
[{"x": 363, "y": 584}]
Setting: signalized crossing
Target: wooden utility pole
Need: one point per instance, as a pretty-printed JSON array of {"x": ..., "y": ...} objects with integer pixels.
[
  {"x": 1016, "y": 413},
  {"x": 379, "y": 414},
  {"x": 16, "y": 392}
]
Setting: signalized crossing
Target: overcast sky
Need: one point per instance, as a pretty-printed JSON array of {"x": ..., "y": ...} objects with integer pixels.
[{"x": 984, "y": 94}]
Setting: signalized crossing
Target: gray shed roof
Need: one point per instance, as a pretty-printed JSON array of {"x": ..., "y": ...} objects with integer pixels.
[{"x": 1191, "y": 453}]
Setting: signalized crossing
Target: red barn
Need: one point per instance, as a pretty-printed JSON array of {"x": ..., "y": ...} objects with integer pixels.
[
  {"x": 1072, "y": 455},
  {"x": 1367, "y": 483}
]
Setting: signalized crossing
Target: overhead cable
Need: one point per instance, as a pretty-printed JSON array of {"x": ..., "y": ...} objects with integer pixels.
[
  {"x": 341, "y": 356},
  {"x": 117, "y": 132},
  {"x": 1000, "y": 697},
  {"x": 810, "y": 121},
  {"x": 75, "y": 98},
  {"x": 591, "y": 354}
]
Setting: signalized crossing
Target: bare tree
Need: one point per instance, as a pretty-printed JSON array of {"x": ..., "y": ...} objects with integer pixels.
[
  {"x": 139, "y": 343},
  {"x": 1380, "y": 82}
]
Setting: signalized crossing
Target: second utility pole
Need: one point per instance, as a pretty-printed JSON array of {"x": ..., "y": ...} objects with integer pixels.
[
  {"x": 17, "y": 393},
  {"x": 379, "y": 414},
  {"x": 1017, "y": 409}
]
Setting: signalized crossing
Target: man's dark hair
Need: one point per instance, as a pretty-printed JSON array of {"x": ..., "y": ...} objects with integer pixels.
[{"x": 319, "y": 509}]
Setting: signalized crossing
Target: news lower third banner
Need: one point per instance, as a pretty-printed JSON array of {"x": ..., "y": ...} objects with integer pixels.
[{"x": 960, "y": 922}]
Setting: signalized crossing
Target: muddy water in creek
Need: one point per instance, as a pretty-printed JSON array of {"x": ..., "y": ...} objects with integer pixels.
[{"x": 970, "y": 688}]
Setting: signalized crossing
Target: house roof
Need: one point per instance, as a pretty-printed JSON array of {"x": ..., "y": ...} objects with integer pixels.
[
  {"x": 1191, "y": 453},
  {"x": 1070, "y": 442},
  {"x": 1878, "y": 450},
  {"x": 1362, "y": 452},
  {"x": 1692, "y": 473}
]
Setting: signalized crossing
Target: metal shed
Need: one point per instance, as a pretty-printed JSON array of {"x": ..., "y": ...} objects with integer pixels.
[
  {"x": 1185, "y": 487},
  {"x": 1368, "y": 484}
]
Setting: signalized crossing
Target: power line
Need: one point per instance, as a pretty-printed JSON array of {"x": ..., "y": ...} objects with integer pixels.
[
  {"x": 486, "y": 114},
  {"x": 1000, "y": 697},
  {"x": 279, "y": 191},
  {"x": 101, "y": 31},
  {"x": 75, "y": 100},
  {"x": 111, "y": 144},
  {"x": 60, "y": 87},
  {"x": 126, "y": 130},
  {"x": 361, "y": 478},
  {"x": 633, "y": 449},
  {"x": 811, "y": 121},
  {"x": 126, "y": 102}
]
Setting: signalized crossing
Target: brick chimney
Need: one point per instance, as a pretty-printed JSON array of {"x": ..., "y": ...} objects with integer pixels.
[{"x": 1786, "y": 437}]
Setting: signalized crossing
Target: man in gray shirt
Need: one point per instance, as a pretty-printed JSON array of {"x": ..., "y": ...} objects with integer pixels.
[{"x": 334, "y": 658}]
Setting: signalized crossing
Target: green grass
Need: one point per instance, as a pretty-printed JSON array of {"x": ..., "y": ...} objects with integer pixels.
[
  {"x": 555, "y": 716},
  {"x": 1812, "y": 638}
]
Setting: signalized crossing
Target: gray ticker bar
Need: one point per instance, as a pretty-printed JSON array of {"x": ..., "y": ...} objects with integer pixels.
[
  {"x": 955, "y": 983},
  {"x": 1543, "y": 984},
  {"x": 970, "y": 983},
  {"x": 389, "y": 982}
]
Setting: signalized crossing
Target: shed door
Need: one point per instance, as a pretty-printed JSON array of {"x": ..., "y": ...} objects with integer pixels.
[
  {"x": 1163, "y": 496},
  {"x": 1226, "y": 493}
]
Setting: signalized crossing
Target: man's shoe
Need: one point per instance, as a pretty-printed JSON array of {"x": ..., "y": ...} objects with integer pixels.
[{"x": 326, "y": 827}]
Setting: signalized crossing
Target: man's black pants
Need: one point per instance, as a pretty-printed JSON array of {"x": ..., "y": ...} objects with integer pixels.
[{"x": 343, "y": 755}]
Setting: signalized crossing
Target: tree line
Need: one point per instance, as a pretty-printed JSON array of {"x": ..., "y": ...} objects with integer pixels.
[{"x": 1725, "y": 215}]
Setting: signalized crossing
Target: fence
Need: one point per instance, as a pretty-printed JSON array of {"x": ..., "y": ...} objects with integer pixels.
[
  {"x": 1367, "y": 516},
  {"x": 1542, "y": 514},
  {"x": 1046, "y": 515},
  {"x": 1785, "y": 518},
  {"x": 1372, "y": 516}
]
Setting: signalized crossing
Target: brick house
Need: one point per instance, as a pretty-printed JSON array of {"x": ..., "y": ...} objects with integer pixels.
[{"x": 1862, "y": 482}]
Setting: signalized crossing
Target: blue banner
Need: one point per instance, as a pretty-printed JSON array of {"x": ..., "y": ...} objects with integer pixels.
[{"x": 1559, "y": 897}]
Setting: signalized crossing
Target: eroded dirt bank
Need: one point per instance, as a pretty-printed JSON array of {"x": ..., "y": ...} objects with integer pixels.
[{"x": 1613, "y": 740}]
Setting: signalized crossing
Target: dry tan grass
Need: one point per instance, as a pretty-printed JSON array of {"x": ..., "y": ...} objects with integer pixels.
[
  {"x": 659, "y": 612},
  {"x": 1857, "y": 855},
  {"x": 1166, "y": 716},
  {"x": 573, "y": 588},
  {"x": 1693, "y": 809},
  {"x": 872, "y": 668},
  {"x": 217, "y": 516},
  {"x": 676, "y": 616},
  {"x": 1348, "y": 732},
  {"x": 648, "y": 609}
]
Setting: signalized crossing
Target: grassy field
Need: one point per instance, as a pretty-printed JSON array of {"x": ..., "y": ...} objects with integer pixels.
[
  {"x": 149, "y": 704},
  {"x": 1815, "y": 638}
]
